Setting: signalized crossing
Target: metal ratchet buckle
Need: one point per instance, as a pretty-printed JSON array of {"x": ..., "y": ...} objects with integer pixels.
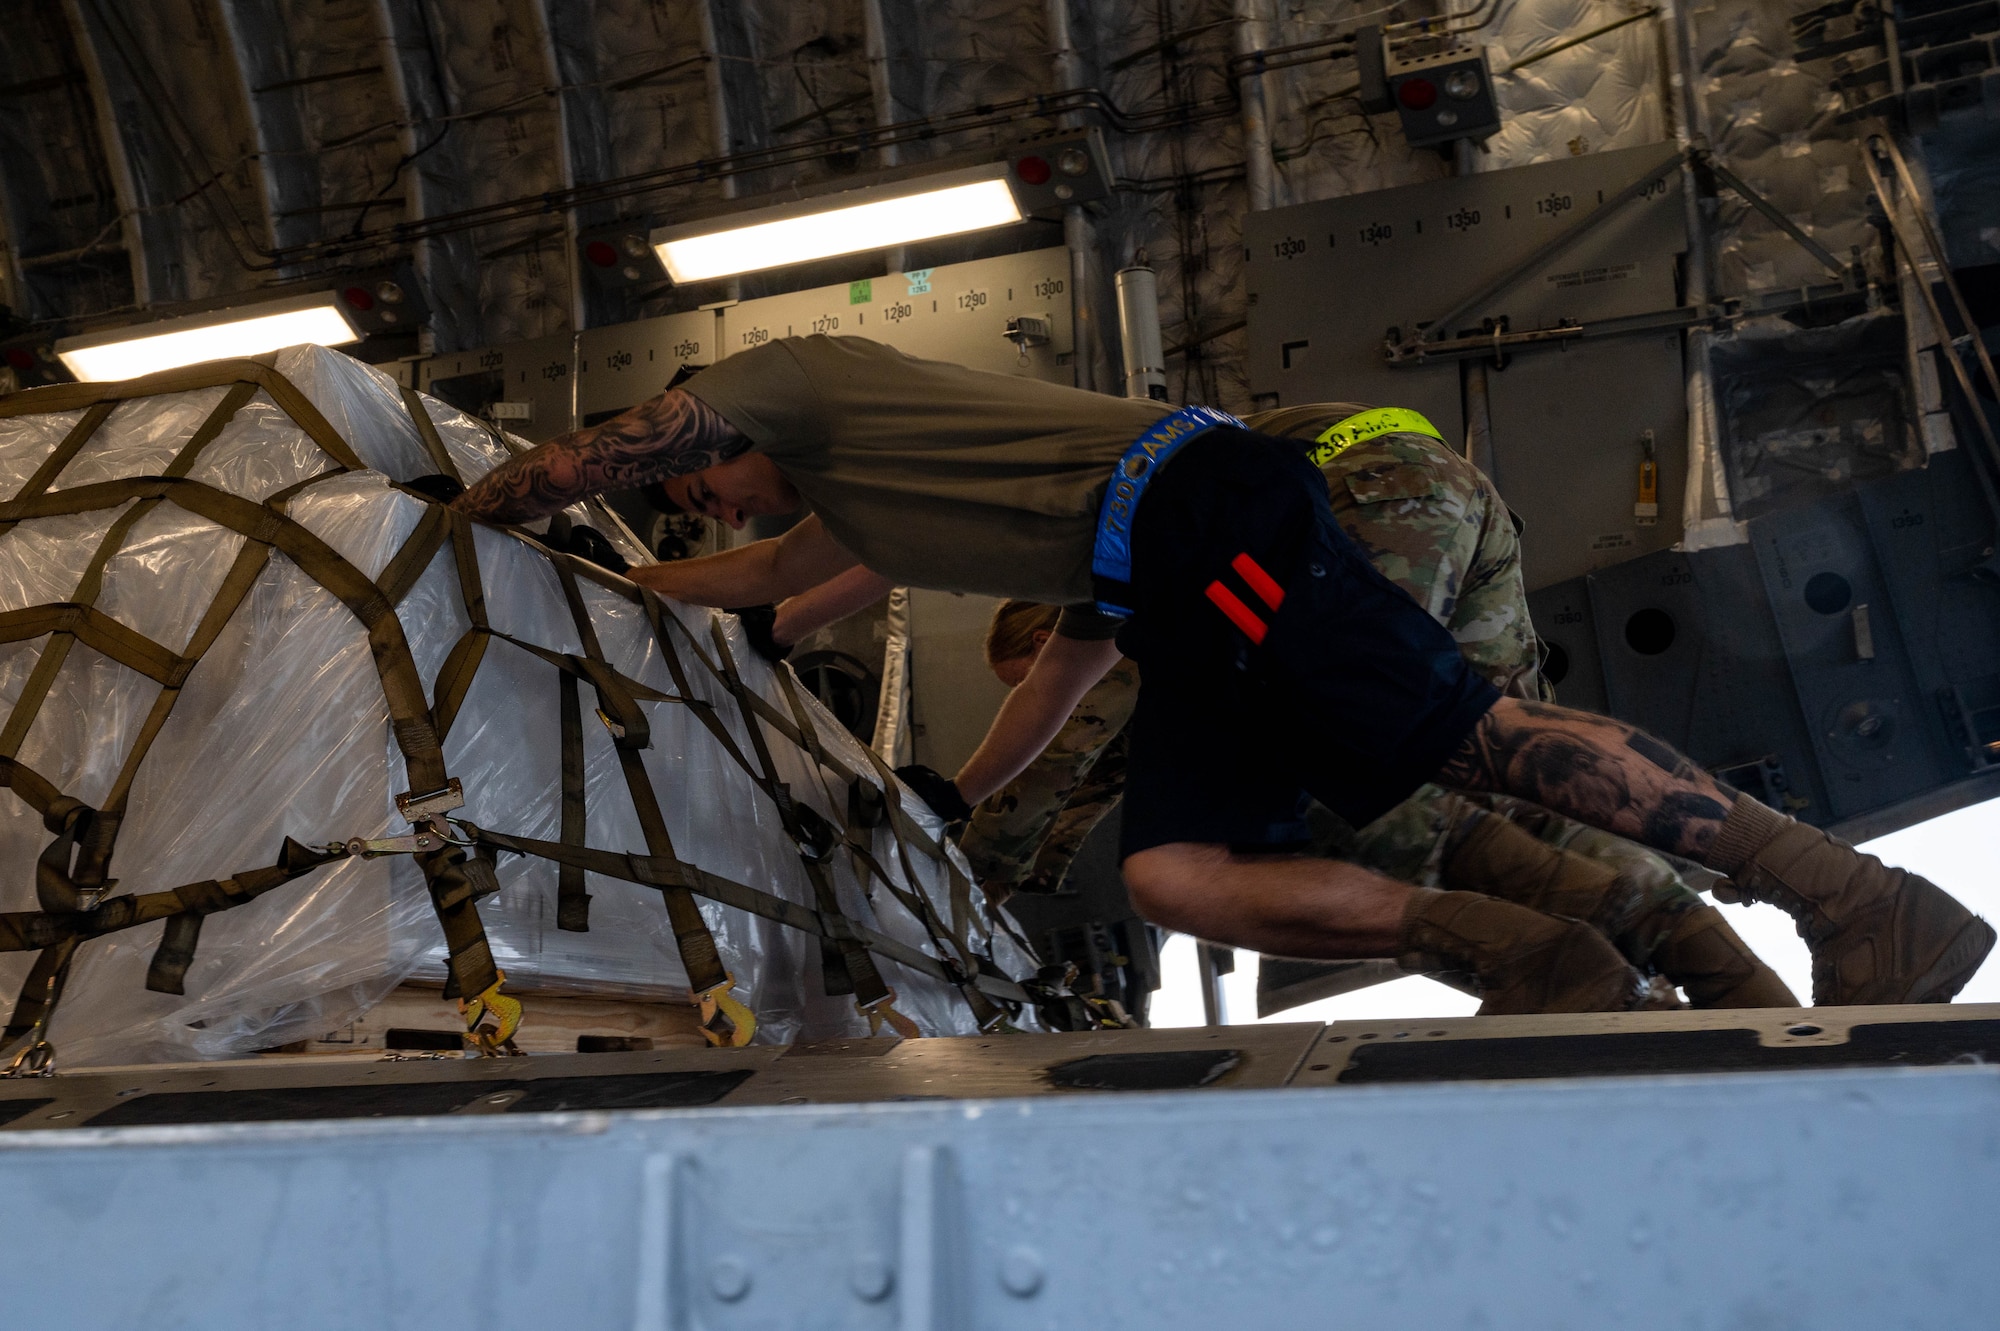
[
  {"x": 36, "y": 1059},
  {"x": 417, "y": 808},
  {"x": 426, "y": 813},
  {"x": 497, "y": 1040}
]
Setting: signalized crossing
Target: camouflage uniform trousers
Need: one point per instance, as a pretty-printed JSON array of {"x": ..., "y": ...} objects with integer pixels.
[
  {"x": 1411, "y": 841},
  {"x": 1436, "y": 527}
]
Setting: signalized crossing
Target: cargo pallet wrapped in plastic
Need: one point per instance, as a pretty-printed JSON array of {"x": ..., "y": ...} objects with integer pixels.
[{"x": 276, "y": 719}]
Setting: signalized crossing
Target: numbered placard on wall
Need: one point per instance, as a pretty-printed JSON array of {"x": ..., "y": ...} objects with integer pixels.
[
  {"x": 957, "y": 313},
  {"x": 624, "y": 364}
]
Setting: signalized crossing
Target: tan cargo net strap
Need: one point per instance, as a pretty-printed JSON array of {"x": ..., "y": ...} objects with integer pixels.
[
  {"x": 961, "y": 961},
  {"x": 845, "y": 967},
  {"x": 661, "y": 873},
  {"x": 618, "y": 696},
  {"x": 253, "y": 374},
  {"x": 631, "y": 732},
  {"x": 72, "y": 876},
  {"x": 950, "y": 940},
  {"x": 427, "y": 433}
]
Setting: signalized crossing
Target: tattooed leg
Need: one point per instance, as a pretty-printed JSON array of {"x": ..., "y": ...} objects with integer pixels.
[
  {"x": 1598, "y": 771},
  {"x": 675, "y": 434}
]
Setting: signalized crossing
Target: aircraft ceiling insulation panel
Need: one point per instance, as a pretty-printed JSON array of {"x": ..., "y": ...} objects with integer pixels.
[
  {"x": 1597, "y": 96},
  {"x": 1777, "y": 123}
]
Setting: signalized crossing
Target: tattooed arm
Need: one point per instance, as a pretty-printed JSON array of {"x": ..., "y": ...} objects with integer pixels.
[
  {"x": 674, "y": 434},
  {"x": 1596, "y": 770}
]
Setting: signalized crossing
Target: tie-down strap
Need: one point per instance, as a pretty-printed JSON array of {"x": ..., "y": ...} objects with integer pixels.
[
  {"x": 664, "y": 873},
  {"x": 75, "y": 872}
]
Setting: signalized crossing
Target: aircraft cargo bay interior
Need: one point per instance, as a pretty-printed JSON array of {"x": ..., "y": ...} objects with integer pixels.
[{"x": 681, "y": 664}]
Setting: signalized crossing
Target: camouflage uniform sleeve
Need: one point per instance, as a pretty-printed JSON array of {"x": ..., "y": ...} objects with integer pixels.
[
  {"x": 1436, "y": 527},
  {"x": 1088, "y": 804},
  {"x": 1492, "y": 624},
  {"x": 1396, "y": 496},
  {"x": 1008, "y": 830}
]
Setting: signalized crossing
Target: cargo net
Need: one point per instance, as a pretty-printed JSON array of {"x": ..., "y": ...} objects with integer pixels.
[{"x": 219, "y": 589}]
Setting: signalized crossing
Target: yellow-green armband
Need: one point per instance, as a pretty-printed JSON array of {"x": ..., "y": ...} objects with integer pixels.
[{"x": 1366, "y": 425}]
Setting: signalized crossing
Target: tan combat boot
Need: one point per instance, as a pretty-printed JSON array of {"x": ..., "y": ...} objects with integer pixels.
[
  {"x": 1525, "y": 961},
  {"x": 1715, "y": 968},
  {"x": 1662, "y": 926},
  {"x": 1877, "y": 934}
]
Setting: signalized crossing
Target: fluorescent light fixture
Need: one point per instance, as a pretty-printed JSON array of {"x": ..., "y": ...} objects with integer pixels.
[
  {"x": 872, "y": 218},
  {"x": 246, "y": 330}
]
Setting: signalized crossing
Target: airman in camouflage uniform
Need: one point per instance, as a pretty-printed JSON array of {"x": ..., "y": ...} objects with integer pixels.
[
  {"x": 1435, "y": 525},
  {"x": 1025, "y": 835}
]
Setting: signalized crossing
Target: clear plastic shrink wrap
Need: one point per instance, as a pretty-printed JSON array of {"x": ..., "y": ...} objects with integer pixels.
[{"x": 282, "y": 730}]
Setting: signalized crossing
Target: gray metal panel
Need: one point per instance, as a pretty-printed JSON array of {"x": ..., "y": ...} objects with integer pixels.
[
  {"x": 953, "y": 695},
  {"x": 1565, "y": 623},
  {"x": 1877, "y": 737},
  {"x": 1930, "y": 532},
  {"x": 622, "y": 365},
  {"x": 1567, "y": 430},
  {"x": 957, "y": 312},
  {"x": 1327, "y": 279},
  {"x": 1655, "y": 683},
  {"x": 540, "y": 372},
  {"x": 1548, "y": 1204},
  {"x": 1720, "y": 691},
  {"x": 1748, "y": 709}
]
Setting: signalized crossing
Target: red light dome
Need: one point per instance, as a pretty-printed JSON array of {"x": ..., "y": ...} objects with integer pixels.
[{"x": 1033, "y": 170}]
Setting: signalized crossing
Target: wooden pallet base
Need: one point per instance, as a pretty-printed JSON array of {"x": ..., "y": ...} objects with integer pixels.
[{"x": 415, "y": 1019}]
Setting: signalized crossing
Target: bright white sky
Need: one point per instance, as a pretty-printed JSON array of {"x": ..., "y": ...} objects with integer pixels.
[{"x": 1960, "y": 852}]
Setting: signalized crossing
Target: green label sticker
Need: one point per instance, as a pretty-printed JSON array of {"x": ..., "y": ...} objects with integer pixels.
[
  {"x": 860, "y": 293},
  {"x": 920, "y": 281}
]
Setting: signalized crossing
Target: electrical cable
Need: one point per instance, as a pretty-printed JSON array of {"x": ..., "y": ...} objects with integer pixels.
[
  {"x": 1592, "y": 35},
  {"x": 1434, "y": 26},
  {"x": 1313, "y": 135},
  {"x": 360, "y": 238},
  {"x": 1039, "y": 106},
  {"x": 145, "y": 82}
]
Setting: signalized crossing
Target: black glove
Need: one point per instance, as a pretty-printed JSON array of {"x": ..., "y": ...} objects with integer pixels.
[
  {"x": 936, "y": 790},
  {"x": 759, "y": 623},
  {"x": 593, "y": 545},
  {"x": 437, "y": 486}
]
